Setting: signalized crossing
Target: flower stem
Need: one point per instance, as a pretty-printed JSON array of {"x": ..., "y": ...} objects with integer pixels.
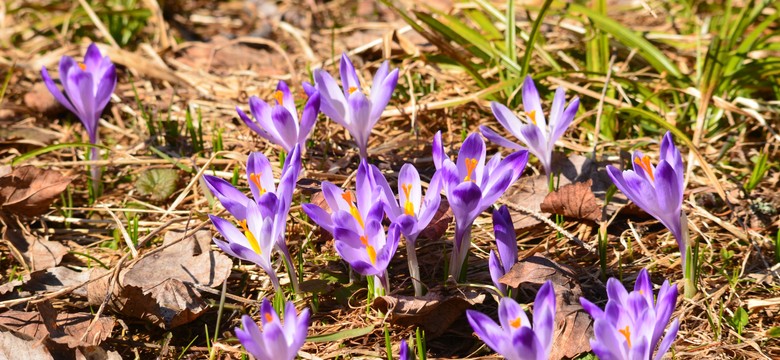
[
  {"x": 414, "y": 267},
  {"x": 288, "y": 263},
  {"x": 691, "y": 259},
  {"x": 460, "y": 251}
]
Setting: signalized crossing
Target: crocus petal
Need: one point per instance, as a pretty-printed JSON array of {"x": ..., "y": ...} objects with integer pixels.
[
  {"x": 250, "y": 337},
  {"x": 608, "y": 346},
  {"x": 106, "y": 84},
  {"x": 644, "y": 286},
  {"x": 564, "y": 121},
  {"x": 319, "y": 216},
  {"x": 497, "y": 139},
  {"x": 301, "y": 329},
  {"x": 668, "y": 340},
  {"x": 487, "y": 330},
  {"x": 531, "y": 101},
  {"x": 544, "y": 315},
  {"x": 669, "y": 199},
  {"x": 381, "y": 95},
  {"x": 503, "y": 176},
  {"x": 83, "y": 98},
  {"x": 592, "y": 309},
  {"x": 505, "y": 237},
  {"x": 472, "y": 150},
  {"x": 379, "y": 76},
  {"x": 334, "y": 197},
  {"x": 309, "y": 117},
  {"x": 465, "y": 202},
  {"x": 359, "y": 120},
  {"x": 509, "y": 312},
  {"x": 258, "y": 169},
  {"x": 506, "y": 118},
  {"x": 55, "y": 91},
  {"x": 332, "y": 100},
  {"x": 287, "y": 99},
  {"x": 616, "y": 291},
  {"x": 349, "y": 77},
  {"x": 496, "y": 272},
  {"x": 537, "y": 144},
  {"x": 356, "y": 257},
  {"x": 559, "y": 100},
  {"x": 232, "y": 200},
  {"x": 526, "y": 345},
  {"x": 275, "y": 342},
  {"x": 285, "y": 126},
  {"x": 432, "y": 200},
  {"x": 409, "y": 181},
  {"x": 671, "y": 155}
]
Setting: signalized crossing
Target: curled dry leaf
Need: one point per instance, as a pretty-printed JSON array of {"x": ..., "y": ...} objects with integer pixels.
[
  {"x": 67, "y": 329},
  {"x": 36, "y": 252},
  {"x": 29, "y": 191},
  {"x": 574, "y": 327},
  {"x": 440, "y": 222},
  {"x": 159, "y": 287},
  {"x": 574, "y": 201},
  {"x": 434, "y": 312}
]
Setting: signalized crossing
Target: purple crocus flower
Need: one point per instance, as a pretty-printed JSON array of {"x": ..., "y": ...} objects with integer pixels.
[
  {"x": 369, "y": 254},
  {"x": 537, "y": 134},
  {"x": 88, "y": 87},
  {"x": 279, "y": 123},
  {"x": 273, "y": 202},
  {"x": 658, "y": 190},
  {"x": 276, "y": 341},
  {"x": 255, "y": 243},
  {"x": 513, "y": 337},
  {"x": 506, "y": 242},
  {"x": 413, "y": 213},
  {"x": 405, "y": 353},
  {"x": 348, "y": 105},
  {"x": 631, "y": 324},
  {"x": 472, "y": 186}
]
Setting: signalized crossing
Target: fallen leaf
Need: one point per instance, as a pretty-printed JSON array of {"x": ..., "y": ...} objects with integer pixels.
[
  {"x": 439, "y": 223},
  {"x": 36, "y": 253},
  {"x": 96, "y": 353},
  {"x": 574, "y": 327},
  {"x": 29, "y": 191},
  {"x": 57, "y": 278},
  {"x": 13, "y": 346},
  {"x": 40, "y": 99},
  {"x": 434, "y": 312},
  {"x": 158, "y": 184},
  {"x": 159, "y": 287},
  {"x": 68, "y": 327},
  {"x": 528, "y": 192},
  {"x": 574, "y": 201}
]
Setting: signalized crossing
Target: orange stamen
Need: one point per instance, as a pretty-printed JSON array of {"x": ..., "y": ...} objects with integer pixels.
[
  {"x": 471, "y": 164},
  {"x": 347, "y": 196},
  {"x": 352, "y": 89},
  {"x": 516, "y": 322},
  {"x": 644, "y": 163},
  {"x": 83, "y": 66},
  {"x": 532, "y": 116},
  {"x": 408, "y": 206},
  {"x": 268, "y": 317},
  {"x": 371, "y": 254},
  {"x": 279, "y": 96},
  {"x": 255, "y": 178},
  {"x": 627, "y": 334},
  {"x": 250, "y": 238},
  {"x": 364, "y": 240}
]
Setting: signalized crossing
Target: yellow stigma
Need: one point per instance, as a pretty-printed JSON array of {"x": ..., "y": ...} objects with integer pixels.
[
  {"x": 255, "y": 178},
  {"x": 250, "y": 238},
  {"x": 268, "y": 317},
  {"x": 83, "y": 66},
  {"x": 279, "y": 96},
  {"x": 408, "y": 206},
  {"x": 532, "y": 116},
  {"x": 627, "y": 334},
  {"x": 371, "y": 254},
  {"x": 471, "y": 164},
  {"x": 353, "y": 210},
  {"x": 644, "y": 163},
  {"x": 352, "y": 89},
  {"x": 516, "y": 323}
]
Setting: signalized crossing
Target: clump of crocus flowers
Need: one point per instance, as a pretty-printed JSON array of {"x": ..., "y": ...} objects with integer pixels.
[
  {"x": 276, "y": 340},
  {"x": 658, "y": 190},
  {"x": 513, "y": 336},
  {"x": 87, "y": 90},
  {"x": 632, "y": 324}
]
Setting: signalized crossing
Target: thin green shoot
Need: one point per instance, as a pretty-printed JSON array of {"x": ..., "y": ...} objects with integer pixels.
[{"x": 388, "y": 344}]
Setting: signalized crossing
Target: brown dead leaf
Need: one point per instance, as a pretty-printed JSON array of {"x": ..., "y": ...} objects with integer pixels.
[
  {"x": 20, "y": 346},
  {"x": 159, "y": 287},
  {"x": 29, "y": 191},
  {"x": 36, "y": 253},
  {"x": 434, "y": 312},
  {"x": 573, "y": 201},
  {"x": 40, "y": 99},
  {"x": 96, "y": 353},
  {"x": 66, "y": 330},
  {"x": 574, "y": 327},
  {"x": 440, "y": 222}
]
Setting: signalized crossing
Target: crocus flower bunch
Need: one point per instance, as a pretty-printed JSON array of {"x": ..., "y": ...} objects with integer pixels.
[
  {"x": 537, "y": 134},
  {"x": 270, "y": 204},
  {"x": 356, "y": 223},
  {"x": 513, "y": 336},
  {"x": 276, "y": 340},
  {"x": 631, "y": 324},
  {"x": 658, "y": 190},
  {"x": 472, "y": 186},
  {"x": 506, "y": 242},
  {"x": 279, "y": 123},
  {"x": 348, "y": 105},
  {"x": 88, "y": 87}
]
